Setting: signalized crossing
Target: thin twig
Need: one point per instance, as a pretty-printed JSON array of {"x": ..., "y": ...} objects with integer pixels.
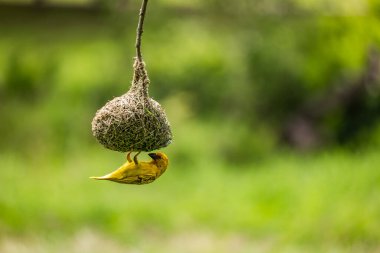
[{"x": 140, "y": 29}]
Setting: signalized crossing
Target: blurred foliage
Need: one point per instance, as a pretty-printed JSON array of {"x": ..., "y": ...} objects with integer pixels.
[
  {"x": 327, "y": 203},
  {"x": 256, "y": 70},
  {"x": 231, "y": 76}
]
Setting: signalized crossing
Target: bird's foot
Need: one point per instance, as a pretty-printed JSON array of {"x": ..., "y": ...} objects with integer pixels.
[
  {"x": 129, "y": 157},
  {"x": 135, "y": 158}
]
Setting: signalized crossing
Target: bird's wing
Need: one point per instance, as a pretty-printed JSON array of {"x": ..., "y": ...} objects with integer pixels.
[{"x": 146, "y": 179}]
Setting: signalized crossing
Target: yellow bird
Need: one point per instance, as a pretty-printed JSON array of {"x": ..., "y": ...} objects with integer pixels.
[{"x": 134, "y": 172}]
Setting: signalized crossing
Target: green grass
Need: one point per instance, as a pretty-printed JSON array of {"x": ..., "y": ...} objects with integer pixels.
[
  {"x": 322, "y": 203},
  {"x": 228, "y": 188}
]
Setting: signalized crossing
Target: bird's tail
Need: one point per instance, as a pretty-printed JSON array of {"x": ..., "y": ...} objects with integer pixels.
[
  {"x": 113, "y": 176},
  {"x": 106, "y": 177}
]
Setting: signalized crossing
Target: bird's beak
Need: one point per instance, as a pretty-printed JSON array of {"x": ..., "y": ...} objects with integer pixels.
[{"x": 154, "y": 156}]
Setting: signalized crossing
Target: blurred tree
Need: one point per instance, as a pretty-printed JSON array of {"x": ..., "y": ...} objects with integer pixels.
[
  {"x": 28, "y": 79},
  {"x": 274, "y": 65},
  {"x": 355, "y": 106}
]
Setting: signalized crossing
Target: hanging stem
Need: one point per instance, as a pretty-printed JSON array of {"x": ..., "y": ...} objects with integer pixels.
[{"x": 140, "y": 29}]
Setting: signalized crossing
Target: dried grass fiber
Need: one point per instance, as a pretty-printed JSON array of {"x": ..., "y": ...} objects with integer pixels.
[{"x": 133, "y": 121}]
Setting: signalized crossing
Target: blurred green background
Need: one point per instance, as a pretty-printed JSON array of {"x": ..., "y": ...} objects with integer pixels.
[{"x": 274, "y": 106}]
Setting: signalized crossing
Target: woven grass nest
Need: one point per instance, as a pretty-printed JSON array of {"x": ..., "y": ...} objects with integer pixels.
[{"x": 133, "y": 121}]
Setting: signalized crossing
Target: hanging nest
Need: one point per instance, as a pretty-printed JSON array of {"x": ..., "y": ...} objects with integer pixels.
[{"x": 133, "y": 121}]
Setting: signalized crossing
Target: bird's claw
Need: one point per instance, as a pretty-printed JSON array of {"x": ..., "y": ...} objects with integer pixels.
[
  {"x": 135, "y": 158},
  {"x": 129, "y": 157}
]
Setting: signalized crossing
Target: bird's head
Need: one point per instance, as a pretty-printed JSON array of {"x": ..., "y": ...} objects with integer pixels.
[{"x": 160, "y": 159}]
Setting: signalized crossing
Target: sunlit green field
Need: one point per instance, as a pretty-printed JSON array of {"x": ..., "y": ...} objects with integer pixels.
[
  {"x": 324, "y": 203},
  {"x": 226, "y": 85}
]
